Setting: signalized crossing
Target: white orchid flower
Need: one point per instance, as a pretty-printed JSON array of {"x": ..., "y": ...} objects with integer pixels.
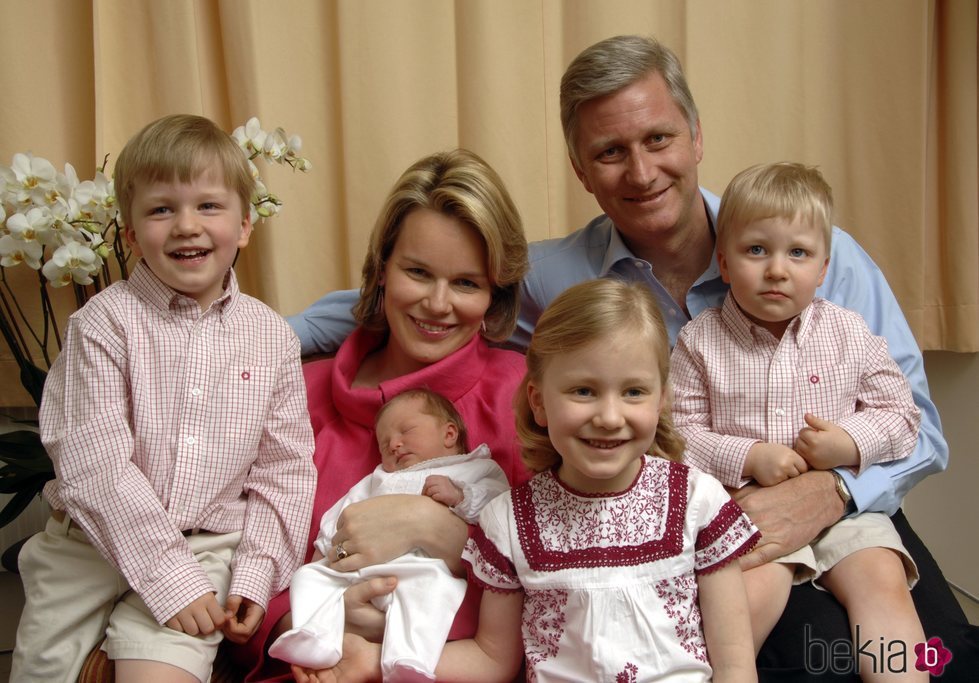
[
  {"x": 71, "y": 262},
  {"x": 250, "y": 137},
  {"x": 28, "y": 179},
  {"x": 15, "y": 251},
  {"x": 30, "y": 226}
]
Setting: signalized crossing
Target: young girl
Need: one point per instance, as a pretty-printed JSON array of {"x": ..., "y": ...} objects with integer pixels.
[{"x": 610, "y": 564}]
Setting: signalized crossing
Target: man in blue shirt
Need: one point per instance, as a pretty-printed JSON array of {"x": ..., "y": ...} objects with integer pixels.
[{"x": 634, "y": 140}]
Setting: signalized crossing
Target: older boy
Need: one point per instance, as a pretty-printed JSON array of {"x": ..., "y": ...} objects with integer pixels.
[
  {"x": 176, "y": 419},
  {"x": 777, "y": 382}
]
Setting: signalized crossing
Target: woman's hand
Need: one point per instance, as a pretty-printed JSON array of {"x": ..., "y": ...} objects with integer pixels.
[
  {"x": 361, "y": 662},
  {"x": 379, "y": 529},
  {"x": 363, "y": 618}
]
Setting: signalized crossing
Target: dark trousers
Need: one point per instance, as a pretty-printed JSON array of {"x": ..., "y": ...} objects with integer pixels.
[{"x": 801, "y": 648}]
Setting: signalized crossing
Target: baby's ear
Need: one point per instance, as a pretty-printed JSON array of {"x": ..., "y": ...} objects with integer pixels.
[{"x": 451, "y": 435}]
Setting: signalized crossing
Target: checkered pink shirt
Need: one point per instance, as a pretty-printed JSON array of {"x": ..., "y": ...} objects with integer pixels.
[
  {"x": 736, "y": 385},
  {"x": 160, "y": 419}
]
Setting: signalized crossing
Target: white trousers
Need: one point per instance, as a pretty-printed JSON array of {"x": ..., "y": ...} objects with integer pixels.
[{"x": 418, "y": 616}]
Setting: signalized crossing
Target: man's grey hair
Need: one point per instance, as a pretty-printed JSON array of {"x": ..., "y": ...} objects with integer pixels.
[{"x": 613, "y": 64}]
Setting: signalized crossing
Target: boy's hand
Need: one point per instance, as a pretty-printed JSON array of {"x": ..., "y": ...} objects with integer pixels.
[
  {"x": 826, "y": 445},
  {"x": 202, "y": 617},
  {"x": 361, "y": 662},
  {"x": 243, "y": 618},
  {"x": 441, "y": 489},
  {"x": 772, "y": 463}
]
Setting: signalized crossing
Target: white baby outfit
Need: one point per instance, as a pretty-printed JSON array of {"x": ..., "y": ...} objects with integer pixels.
[{"x": 421, "y": 609}]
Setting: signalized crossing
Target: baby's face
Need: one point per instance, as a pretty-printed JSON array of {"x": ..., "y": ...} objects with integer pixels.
[{"x": 407, "y": 436}]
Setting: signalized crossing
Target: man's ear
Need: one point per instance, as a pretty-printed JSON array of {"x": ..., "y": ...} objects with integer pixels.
[
  {"x": 581, "y": 174},
  {"x": 451, "y": 436},
  {"x": 698, "y": 142},
  {"x": 536, "y": 401}
]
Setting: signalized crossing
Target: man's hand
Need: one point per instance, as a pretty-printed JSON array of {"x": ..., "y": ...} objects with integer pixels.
[
  {"x": 773, "y": 463},
  {"x": 202, "y": 617},
  {"x": 826, "y": 445},
  {"x": 789, "y": 515},
  {"x": 440, "y": 488},
  {"x": 243, "y": 618},
  {"x": 361, "y": 662}
]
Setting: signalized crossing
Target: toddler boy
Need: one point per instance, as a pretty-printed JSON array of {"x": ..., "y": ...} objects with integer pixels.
[
  {"x": 777, "y": 382},
  {"x": 176, "y": 419}
]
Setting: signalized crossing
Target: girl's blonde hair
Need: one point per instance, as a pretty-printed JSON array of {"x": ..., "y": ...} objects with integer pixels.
[
  {"x": 582, "y": 315},
  {"x": 459, "y": 184}
]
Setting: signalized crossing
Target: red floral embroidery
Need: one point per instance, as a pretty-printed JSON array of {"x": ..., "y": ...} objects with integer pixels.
[
  {"x": 679, "y": 596},
  {"x": 559, "y": 531},
  {"x": 629, "y": 675},
  {"x": 544, "y": 621}
]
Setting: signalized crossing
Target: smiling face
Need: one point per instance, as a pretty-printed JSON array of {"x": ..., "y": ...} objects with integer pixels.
[
  {"x": 406, "y": 435},
  {"x": 638, "y": 157},
  {"x": 601, "y": 404},
  {"x": 774, "y": 266},
  {"x": 436, "y": 290},
  {"x": 189, "y": 233}
]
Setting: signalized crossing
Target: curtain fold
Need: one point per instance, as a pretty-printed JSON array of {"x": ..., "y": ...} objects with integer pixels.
[{"x": 880, "y": 94}]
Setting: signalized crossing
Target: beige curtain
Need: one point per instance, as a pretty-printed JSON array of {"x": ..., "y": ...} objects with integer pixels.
[{"x": 881, "y": 94}]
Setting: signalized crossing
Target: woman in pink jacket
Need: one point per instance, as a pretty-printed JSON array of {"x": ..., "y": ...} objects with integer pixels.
[{"x": 441, "y": 278}]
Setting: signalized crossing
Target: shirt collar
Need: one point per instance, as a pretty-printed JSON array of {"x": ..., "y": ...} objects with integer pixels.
[
  {"x": 454, "y": 376},
  {"x": 617, "y": 251},
  {"x": 170, "y": 302},
  {"x": 747, "y": 333}
]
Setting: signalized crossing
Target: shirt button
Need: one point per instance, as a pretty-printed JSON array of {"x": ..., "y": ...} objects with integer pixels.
[
  {"x": 639, "y": 264},
  {"x": 190, "y": 441},
  {"x": 195, "y": 392},
  {"x": 780, "y": 412}
]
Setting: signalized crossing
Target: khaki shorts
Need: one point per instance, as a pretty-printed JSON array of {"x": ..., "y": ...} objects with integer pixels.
[
  {"x": 75, "y": 597},
  {"x": 867, "y": 530}
]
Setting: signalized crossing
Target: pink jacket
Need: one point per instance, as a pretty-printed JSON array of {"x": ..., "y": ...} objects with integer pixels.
[{"x": 480, "y": 381}]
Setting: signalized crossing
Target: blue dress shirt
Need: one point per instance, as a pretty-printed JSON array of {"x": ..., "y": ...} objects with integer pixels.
[{"x": 853, "y": 281}]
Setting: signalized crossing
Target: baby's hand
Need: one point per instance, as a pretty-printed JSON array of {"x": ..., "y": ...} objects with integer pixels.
[
  {"x": 773, "y": 463},
  {"x": 441, "y": 489},
  {"x": 826, "y": 445},
  {"x": 243, "y": 618},
  {"x": 202, "y": 617},
  {"x": 361, "y": 662}
]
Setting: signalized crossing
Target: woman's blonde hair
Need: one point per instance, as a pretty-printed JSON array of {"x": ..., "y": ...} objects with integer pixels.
[
  {"x": 180, "y": 147},
  {"x": 459, "y": 184},
  {"x": 581, "y": 315}
]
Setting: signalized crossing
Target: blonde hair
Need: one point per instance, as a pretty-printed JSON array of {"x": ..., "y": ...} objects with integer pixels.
[
  {"x": 436, "y": 405},
  {"x": 581, "y": 315},
  {"x": 180, "y": 147},
  {"x": 461, "y": 185},
  {"x": 616, "y": 63},
  {"x": 776, "y": 190}
]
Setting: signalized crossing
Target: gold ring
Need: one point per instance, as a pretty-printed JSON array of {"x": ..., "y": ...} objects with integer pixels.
[{"x": 341, "y": 552}]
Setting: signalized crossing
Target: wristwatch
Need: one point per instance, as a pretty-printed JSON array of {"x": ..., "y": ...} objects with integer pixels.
[{"x": 844, "y": 493}]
